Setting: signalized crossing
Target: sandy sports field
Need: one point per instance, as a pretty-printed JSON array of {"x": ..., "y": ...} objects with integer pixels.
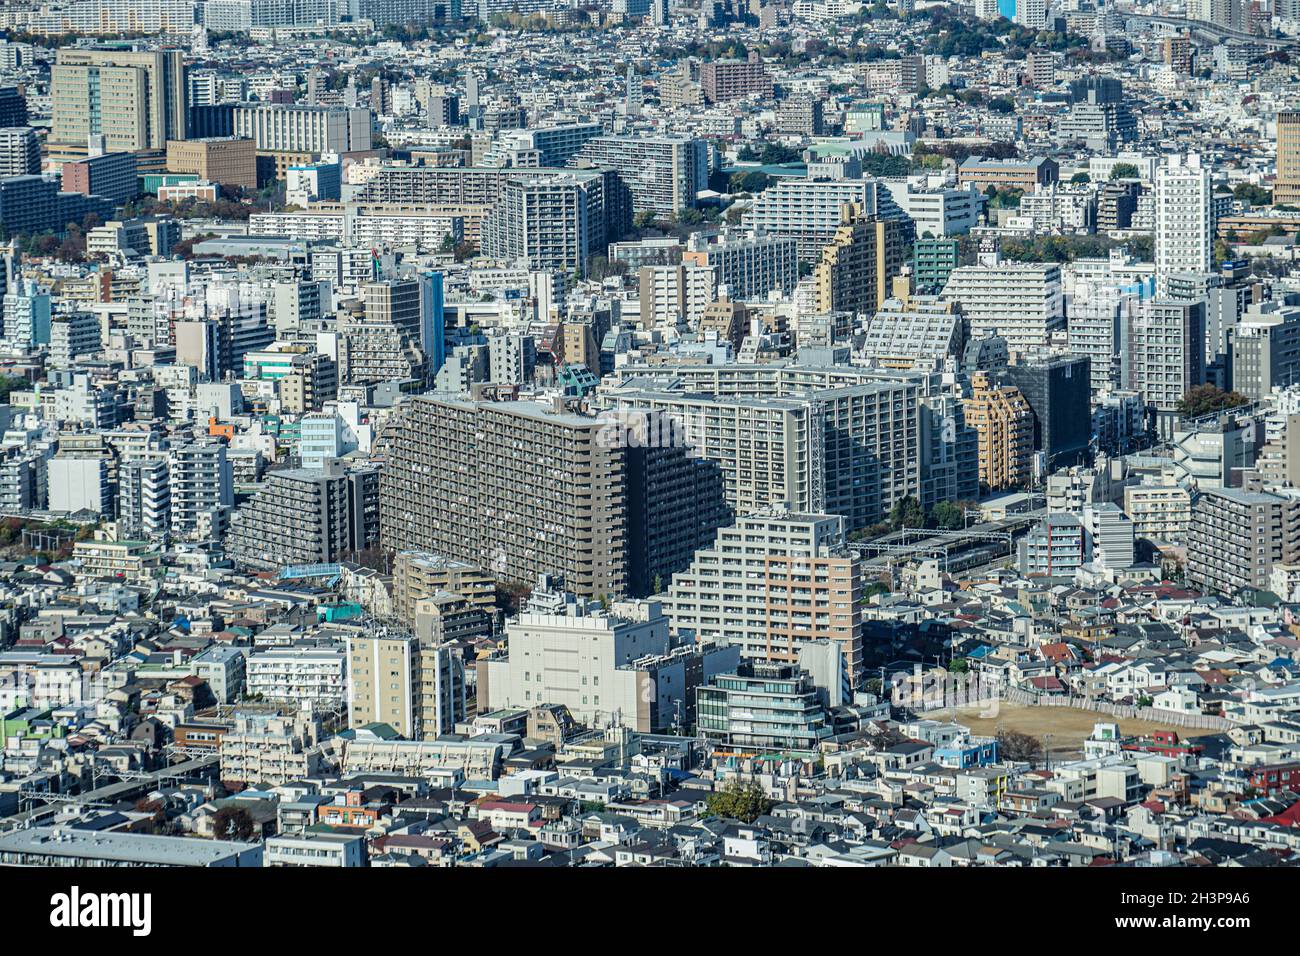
[{"x": 1067, "y": 725}]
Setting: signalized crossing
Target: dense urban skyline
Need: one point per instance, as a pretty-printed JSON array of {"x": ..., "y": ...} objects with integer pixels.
[{"x": 649, "y": 433}]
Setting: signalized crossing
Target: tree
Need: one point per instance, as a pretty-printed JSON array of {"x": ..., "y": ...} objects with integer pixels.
[
  {"x": 1013, "y": 745},
  {"x": 907, "y": 513},
  {"x": 958, "y": 665},
  {"x": 1208, "y": 399},
  {"x": 1079, "y": 179},
  {"x": 9, "y": 383},
  {"x": 743, "y": 801},
  {"x": 232, "y": 823},
  {"x": 949, "y": 516},
  {"x": 1124, "y": 171},
  {"x": 1255, "y": 195},
  {"x": 752, "y": 181}
]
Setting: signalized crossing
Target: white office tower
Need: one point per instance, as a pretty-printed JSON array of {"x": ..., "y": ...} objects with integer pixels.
[{"x": 1184, "y": 223}]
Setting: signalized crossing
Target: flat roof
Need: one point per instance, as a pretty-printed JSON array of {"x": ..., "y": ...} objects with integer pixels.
[{"x": 126, "y": 847}]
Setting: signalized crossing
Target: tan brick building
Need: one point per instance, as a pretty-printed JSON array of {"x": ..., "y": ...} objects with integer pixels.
[{"x": 229, "y": 161}]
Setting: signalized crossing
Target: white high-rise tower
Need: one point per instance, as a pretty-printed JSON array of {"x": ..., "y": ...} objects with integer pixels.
[{"x": 1184, "y": 220}]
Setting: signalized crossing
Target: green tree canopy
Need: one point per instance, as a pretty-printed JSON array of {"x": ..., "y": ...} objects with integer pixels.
[
  {"x": 1124, "y": 171},
  {"x": 1208, "y": 399},
  {"x": 743, "y": 801},
  {"x": 908, "y": 513}
]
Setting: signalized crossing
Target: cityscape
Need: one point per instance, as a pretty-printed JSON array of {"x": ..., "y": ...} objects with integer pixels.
[{"x": 649, "y": 433}]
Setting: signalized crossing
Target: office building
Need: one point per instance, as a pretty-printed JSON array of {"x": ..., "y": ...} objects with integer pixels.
[
  {"x": 135, "y": 100},
  {"x": 13, "y": 107},
  {"x": 110, "y": 175},
  {"x": 1266, "y": 350},
  {"x": 764, "y": 707},
  {"x": 610, "y": 667},
  {"x": 1058, "y": 390},
  {"x": 227, "y": 161}
]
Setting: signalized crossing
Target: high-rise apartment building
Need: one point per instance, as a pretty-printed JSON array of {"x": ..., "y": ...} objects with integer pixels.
[
  {"x": 515, "y": 487},
  {"x": 663, "y": 173},
  {"x": 1184, "y": 218},
  {"x": 812, "y": 210},
  {"x": 748, "y": 266},
  {"x": 20, "y": 152},
  {"x": 550, "y": 224},
  {"x": 383, "y": 342},
  {"x": 1166, "y": 354},
  {"x": 1236, "y": 537},
  {"x": 417, "y": 687},
  {"x": 1020, "y": 301},
  {"x": 724, "y": 80},
  {"x": 298, "y": 516},
  {"x": 144, "y": 499},
  {"x": 1005, "y": 425},
  {"x": 858, "y": 265},
  {"x": 770, "y": 584},
  {"x": 202, "y": 491}
]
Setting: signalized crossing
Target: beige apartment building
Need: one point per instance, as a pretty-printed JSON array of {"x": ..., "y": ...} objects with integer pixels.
[
  {"x": 1286, "y": 187},
  {"x": 1005, "y": 425},
  {"x": 772, "y": 583},
  {"x": 416, "y": 687},
  {"x": 418, "y": 575},
  {"x": 857, "y": 267}
]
